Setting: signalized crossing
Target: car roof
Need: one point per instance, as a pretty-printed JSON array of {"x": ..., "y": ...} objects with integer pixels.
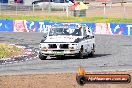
[{"x": 69, "y": 25}]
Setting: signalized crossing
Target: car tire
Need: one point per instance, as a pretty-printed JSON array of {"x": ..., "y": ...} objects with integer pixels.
[
  {"x": 42, "y": 57},
  {"x": 92, "y": 52},
  {"x": 81, "y": 80},
  {"x": 80, "y": 54}
]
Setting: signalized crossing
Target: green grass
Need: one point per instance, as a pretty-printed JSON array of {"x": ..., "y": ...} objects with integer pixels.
[
  {"x": 8, "y": 50},
  {"x": 69, "y": 19}
]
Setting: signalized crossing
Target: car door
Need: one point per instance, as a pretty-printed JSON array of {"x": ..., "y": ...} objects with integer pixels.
[
  {"x": 88, "y": 39},
  {"x": 85, "y": 41},
  {"x": 91, "y": 38}
]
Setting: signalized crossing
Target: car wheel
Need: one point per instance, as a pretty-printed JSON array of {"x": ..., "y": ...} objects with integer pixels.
[
  {"x": 81, "y": 80},
  {"x": 80, "y": 54},
  {"x": 42, "y": 57},
  {"x": 92, "y": 52}
]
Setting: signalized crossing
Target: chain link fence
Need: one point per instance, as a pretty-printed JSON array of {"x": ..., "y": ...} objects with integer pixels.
[{"x": 95, "y": 9}]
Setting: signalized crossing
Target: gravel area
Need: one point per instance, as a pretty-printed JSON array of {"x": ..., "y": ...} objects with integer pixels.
[{"x": 60, "y": 80}]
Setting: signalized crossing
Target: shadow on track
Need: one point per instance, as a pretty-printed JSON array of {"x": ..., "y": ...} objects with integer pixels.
[
  {"x": 99, "y": 55},
  {"x": 87, "y": 57}
]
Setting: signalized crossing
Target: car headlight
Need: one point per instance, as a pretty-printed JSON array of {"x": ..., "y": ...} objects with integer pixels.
[
  {"x": 44, "y": 49},
  {"x": 73, "y": 46},
  {"x": 43, "y": 46}
]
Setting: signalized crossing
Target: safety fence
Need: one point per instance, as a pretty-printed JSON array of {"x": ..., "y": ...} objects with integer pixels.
[
  {"x": 44, "y": 26},
  {"x": 93, "y": 9}
]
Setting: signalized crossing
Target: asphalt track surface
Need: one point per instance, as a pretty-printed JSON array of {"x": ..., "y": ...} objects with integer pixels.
[{"x": 112, "y": 53}]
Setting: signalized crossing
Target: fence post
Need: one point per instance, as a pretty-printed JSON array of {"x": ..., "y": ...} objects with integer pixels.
[
  {"x": 67, "y": 10},
  {"x": 42, "y": 7},
  {"x": 16, "y": 9},
  {"x": 33, "y": 9},
  {"x": 104, "y": 10},
  {"x": 124, "y": 11},
  {"x": 0, "y": 8},
  {"x": 110, "y": 5},
  {"x": 49, "y": 8}
]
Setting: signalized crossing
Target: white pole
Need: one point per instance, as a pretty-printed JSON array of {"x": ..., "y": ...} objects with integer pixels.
[
  {"x": 104, "y": 10},
  {"x": 49, "y": 8},
  {"x": 0, "y": 8},
  {"x": 16, "y": 9},
  {"x": 124, "y": 11},
  {"x": 33, "y": 9},
  {"x": 42, "y": 7},
  {"x": 110, "y": 5},
  {"x": 67, "y": 10}
]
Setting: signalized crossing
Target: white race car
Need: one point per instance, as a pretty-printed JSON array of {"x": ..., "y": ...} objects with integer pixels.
[
  {"x": 67, "y": 40},
  {"x": 53, "y": 4}
]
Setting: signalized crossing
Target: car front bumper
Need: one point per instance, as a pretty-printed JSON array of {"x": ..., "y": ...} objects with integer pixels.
[{"x": 60, "y": 52}]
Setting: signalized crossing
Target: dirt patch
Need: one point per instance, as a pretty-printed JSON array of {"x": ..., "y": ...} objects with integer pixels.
[{"x": 63, "y": 80}]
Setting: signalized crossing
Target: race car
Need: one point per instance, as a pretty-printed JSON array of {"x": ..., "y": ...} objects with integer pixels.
[{"x": 68, "y": 40}]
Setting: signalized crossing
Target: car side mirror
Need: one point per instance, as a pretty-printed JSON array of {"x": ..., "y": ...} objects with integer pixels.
[
  {"x": 45, "y": 36},
  {"x": 87, "y": 36}
]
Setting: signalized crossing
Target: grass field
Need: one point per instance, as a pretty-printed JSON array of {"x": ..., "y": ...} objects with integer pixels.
[
  {"x": 69, "y": 19},
  {"x": 8, "y": 50}
]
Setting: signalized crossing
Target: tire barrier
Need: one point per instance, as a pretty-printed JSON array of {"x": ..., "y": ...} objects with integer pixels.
[{"x": 36, "y": 26}]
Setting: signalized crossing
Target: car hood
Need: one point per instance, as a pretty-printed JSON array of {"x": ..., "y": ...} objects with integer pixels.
[{"x": 60, "y": 39}]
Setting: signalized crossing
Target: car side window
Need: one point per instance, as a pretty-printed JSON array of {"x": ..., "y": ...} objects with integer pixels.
[{"x": 84, "y": 32}]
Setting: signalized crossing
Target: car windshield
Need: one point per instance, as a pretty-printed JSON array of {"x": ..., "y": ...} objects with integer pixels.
[
  {"x": 60, "y": 1},
  {"x": 65, "y": 31}
]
